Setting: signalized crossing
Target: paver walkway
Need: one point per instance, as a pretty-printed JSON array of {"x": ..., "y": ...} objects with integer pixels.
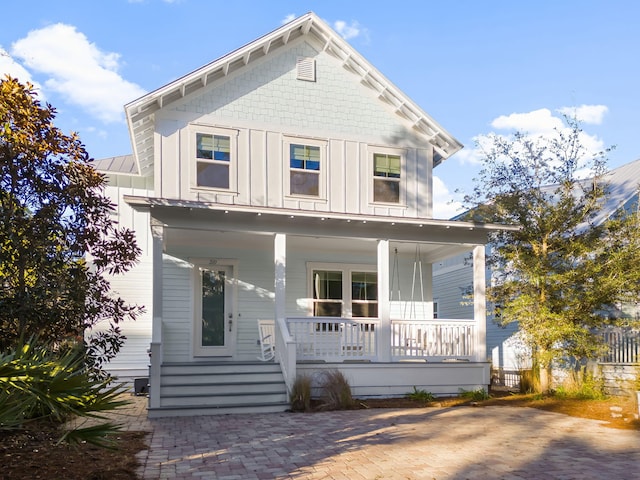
[{"x": 433, "y": 443}]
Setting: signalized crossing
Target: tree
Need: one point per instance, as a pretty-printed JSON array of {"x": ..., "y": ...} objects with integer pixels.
[
  {"x": 57, "y": 237},
  {"x": 561, "y": 274}
]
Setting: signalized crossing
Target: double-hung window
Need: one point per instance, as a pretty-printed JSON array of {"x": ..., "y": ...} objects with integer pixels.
[
  {"x": 304, "y": 169},
  {"x": 343, "y": 290},
  {"x": 213, "y": 160},
  {"x": 387, "y": 172}
]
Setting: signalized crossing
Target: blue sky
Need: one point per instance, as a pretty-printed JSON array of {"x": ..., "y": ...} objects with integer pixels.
[{"x": 475, "y": 66}]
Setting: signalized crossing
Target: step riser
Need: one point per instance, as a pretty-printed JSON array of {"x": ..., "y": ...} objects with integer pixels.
[
  {"x": 219, "y": 368},
  {"x": 252, "y": 388},
  {"x": 182, "y": 412},
  {"x": 227, "y": 400},
  {"x": 199, "y": 379},
  {"x": 220, "y": 388}
]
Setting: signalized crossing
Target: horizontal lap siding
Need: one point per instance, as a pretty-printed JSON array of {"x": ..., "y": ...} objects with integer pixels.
[
  {"x": 177, "y": 310},
  {"x": 134, "y": 286}
]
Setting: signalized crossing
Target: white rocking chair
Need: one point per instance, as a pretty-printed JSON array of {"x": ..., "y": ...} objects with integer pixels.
[{"x": 267, "y": 331}]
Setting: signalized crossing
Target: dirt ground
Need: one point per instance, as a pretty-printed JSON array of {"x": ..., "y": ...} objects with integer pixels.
[{"x": 35, "y": 454}]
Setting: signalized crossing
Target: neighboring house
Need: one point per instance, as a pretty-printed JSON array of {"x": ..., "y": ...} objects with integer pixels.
[
  {"x": 504, "y": 349},
  {"x": 291, "y": 181}
]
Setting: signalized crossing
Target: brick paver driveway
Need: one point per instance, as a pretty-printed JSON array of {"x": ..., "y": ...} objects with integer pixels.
[{"x": 433, "y": 443}]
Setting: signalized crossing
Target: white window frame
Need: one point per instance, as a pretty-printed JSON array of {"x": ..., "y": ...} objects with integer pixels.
[
  {"x": 322, "y": 173},
  {"x": 196, "y": 129},
  {"x": 372, "y": 150},
  {"x": 347, "y": 270}
]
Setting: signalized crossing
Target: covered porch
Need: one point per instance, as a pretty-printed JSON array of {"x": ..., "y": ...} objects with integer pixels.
[{"x": 384, "y": 321}]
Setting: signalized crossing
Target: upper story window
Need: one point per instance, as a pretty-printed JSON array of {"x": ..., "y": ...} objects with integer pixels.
[
  {"x": 304, "y": 167},
  {"x": 387, "y": 172},
  {"x": 213, "y": 160},
  {"x": 306, "y": 173}
]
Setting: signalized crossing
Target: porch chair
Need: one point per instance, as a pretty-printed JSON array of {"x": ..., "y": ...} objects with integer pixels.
[{"x": 267, "y": 331}]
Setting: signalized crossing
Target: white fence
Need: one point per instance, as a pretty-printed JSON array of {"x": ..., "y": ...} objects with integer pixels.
[
  {"x": 624, "y": 346},
  {"x": 339, "y": 339}
]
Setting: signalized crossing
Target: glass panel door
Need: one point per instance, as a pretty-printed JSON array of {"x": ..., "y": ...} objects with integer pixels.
[{"x": 214, "y": 315}]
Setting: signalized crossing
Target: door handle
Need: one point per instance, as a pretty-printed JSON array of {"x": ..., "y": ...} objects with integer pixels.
[{"x": 230, "y": 321}]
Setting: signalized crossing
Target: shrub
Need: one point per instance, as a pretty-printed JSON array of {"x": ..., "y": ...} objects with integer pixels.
[
  {"x": 582, "y": 385},
  {"x": 529, "y": 381},
  {"x": 420, "y": 395},
  {"x": 475, "y": 395},
  {"x": 336, "y": 391},
  {"x": 37, "y": 384},
  {"x": 300, "y": 397}
]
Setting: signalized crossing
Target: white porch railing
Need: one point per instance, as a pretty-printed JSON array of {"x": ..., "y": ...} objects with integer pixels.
[
  {"x": 339, "y": 339},
  {"x": 334, "y": 339},
  {"x": 437, "y": 339}
]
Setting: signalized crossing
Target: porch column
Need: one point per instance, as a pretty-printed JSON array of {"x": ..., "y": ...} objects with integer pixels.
[
  {"x": 479, "y": 302},
  {"x": 157, "y": 234},
  {"x": 384, "y": 311},
  {"x": 280, "y": 263}
]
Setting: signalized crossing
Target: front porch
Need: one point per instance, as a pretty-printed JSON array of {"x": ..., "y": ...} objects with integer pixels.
[{"x": 356, "y": 296}]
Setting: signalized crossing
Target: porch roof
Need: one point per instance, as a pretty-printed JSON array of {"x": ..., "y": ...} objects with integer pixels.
[{"x": 452, "y": 236}]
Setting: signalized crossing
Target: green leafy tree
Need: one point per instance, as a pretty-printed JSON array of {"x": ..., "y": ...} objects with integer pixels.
[
  {"x": 562, "y": 272},
  {"x": 57, "y": 237}
]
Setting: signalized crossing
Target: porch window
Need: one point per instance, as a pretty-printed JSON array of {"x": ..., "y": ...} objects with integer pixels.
[
  {"x": 364, "y": 294},
  {"x": 345, "y": 292},
  {"x": 304, "y": 165},
  {"x": 327, "y": 293},
  {"x": 386, "y": 178},
  {"x": 213, "y": 160}
]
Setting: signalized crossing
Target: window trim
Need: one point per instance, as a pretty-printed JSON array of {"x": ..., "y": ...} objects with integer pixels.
[
  {"x": 347, "y": 270},
  {"x": 232, "y": 134},
  {"x": 372, "y": 150},
  {"x": 322, "y": 172}
]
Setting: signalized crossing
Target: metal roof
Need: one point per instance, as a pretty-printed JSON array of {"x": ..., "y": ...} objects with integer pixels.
[
  {"x": 122, "y": 165},
  {"x": 140, "y": 112}
]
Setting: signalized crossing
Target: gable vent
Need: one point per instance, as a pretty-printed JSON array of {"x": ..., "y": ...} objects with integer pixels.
[{"x": 306, "y": 69}]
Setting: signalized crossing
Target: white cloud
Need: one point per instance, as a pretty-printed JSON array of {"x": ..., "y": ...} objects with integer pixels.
[
  {"x": 539, "y": 124},
  {"x": 536, "y": 122},
  {"x": 288, "y": 18},
  {"x": 347, "y": 31},
  {"x": 78, "y": 70},
  {"x": 591, "y": 114},
  {"x": 8, "y": 66},
  {"x": 445, "y": 205}
]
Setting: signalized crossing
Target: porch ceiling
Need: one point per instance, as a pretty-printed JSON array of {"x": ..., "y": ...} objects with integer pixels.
[{"x": 446, "y": 237}]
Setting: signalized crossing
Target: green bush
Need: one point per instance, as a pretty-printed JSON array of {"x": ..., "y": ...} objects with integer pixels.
[
  {"x": 582, "y": 385},
  {"x": 475, "y": 395},
  {"x": 420, "y": 395},
  {"x": 300, "y": 397},
  {"x": 336, "y": 391},
  {"x": 37, "y": 384}
]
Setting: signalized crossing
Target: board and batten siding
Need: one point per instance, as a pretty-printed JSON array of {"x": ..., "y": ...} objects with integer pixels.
[{"x": 263, "y": 108}]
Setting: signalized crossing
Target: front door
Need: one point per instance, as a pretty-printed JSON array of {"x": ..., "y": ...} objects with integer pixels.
[{"x": 214, "y": 325}]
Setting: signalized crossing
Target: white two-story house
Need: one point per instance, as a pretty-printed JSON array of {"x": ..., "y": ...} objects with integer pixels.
[{"x": 290, "y": 181}]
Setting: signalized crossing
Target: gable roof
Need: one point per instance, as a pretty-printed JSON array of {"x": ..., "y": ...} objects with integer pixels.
[
  {"x": 140, "y": 112},
  {"x": 623, "y": 184}
]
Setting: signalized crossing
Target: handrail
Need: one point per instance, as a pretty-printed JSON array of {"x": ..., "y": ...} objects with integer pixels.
[{"x": 286, "y": 353}]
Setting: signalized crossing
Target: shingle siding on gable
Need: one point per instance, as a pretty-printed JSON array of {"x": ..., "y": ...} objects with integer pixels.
[{"x": 269, "y": 93}]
